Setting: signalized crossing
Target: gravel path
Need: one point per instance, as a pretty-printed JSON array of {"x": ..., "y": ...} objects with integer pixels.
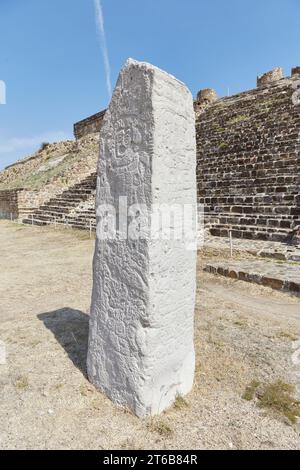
[{"x": 243, "y": 332}]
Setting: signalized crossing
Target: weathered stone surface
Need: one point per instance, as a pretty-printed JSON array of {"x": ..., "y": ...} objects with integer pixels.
[
  {"x": 141, "y": 351},
  {"x": 248, "y": 162},
  {"x": 279, "y": 276},
  {"x": 295, "y": 71},
  {"x": 270, "y": 77},
  {"x": 90, "y": 125},
  {"x": 9, "y": 204},
  {"x": 264, "y": 249},
  {"x": 247, "y": 170}
]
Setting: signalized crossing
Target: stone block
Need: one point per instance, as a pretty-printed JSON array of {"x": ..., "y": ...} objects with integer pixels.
[{"x": 141, "y": 350}]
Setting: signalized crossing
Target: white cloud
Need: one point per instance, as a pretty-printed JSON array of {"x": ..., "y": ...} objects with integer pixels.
[
  {"x": 2, "y": 92},
  {"x": 23, "y": 144},
  {"x": 102, "y": 37}
]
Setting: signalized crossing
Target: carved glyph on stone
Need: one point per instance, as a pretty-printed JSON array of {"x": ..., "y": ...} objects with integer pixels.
[{"x": 141, "y": 349}]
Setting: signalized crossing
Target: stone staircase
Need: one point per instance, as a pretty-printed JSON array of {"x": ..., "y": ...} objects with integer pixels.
[
  {"x": 74, "y": 207},
  {"x": 275, "y": 217},
  {"x": 248, "y": 164},
  {"x": 265, "y": 212}
]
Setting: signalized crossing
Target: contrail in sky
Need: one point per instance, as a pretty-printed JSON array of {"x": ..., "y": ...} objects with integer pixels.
[{"x": 102, "y": 36}]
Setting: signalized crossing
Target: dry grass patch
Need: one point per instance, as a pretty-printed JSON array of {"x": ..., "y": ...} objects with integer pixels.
[
  {"x": 251, "y": 390},
  {"x": 58, "y": 386},
  {"x": 287, "y": 335},
  {"x": 86, "y": 390},
  {"x": 21, "y": 383},
  {"x": 161, "y": 428},
  {"x": 276, "y": 397},
  {"x": 180, "y": 403}
]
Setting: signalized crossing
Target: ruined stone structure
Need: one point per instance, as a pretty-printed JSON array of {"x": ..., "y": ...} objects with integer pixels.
[
  {"x": 56, "y": 185},
  {"x": 141, "y": 351},
  {"x": 247, "y": 171},
  {"x": 17, "y": 204},
  {"x": 74, "y": 207},
  {"x": 270, "y": 77},
  {"x": 248, "y": 159},
  {"x": 90, "y": 125},
  {"x": 9, "y": 205}
]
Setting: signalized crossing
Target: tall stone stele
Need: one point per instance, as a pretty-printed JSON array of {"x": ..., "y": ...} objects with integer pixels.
[{"x": 141, "y": 349}]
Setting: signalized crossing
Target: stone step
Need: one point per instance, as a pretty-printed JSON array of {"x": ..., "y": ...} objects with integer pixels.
[
  {"x": 82, "y": 223},
  {"x": 59, "y": 215},
  {"x": 219, "y": 174},
  {"x": 72, "y": 206},
  {"x": 251, "y": 221},
  {"x": 86, "y": 210},
  {"x": 82, "y": 187},
  {"x": 265, "y": 200},
  {"x": 246, "y": 228},
  {"x": 259, "y": 248},
  {"x": 252, "y": 232},
  {"x": 272, "y": 165},
  {"x": 58, "y": 209},
  {"x": 34, "y": 222},
  {"x": 79, "y": 214},
  {"x": 247, "y": 163},
  {"x": 78, "y": 192},
  {"x": 213, "y": 155},
  {"x": 72, "y": 197},
  {"x": 291, "y": 212},
  {"x": 249, "y": 190},
  {"x": 284, "y": 277},
  {"x": 284, "y": 180},
  {"x": 50, "y": 213},
  {"x": 44, "y": 217},
  {"x": 70, "y": 223},
  {"x": 294, "y": 219},
  {"x": 66, "y": 201},
  {"x": 62, "y": 204}
]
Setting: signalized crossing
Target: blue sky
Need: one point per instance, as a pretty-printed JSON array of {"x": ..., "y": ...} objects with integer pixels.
[{"x": 52, "y": 63}]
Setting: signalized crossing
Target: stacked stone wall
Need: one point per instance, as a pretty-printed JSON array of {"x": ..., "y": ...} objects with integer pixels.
[
  {"x": 29, "y": 201},
  {"x": 9, "y": 204},
  {"x": 19, "y": 203},
  {"x": 248, "y": 155},
  {"x": 90, "y": 125},
  {"x": 74, "y": 207}
]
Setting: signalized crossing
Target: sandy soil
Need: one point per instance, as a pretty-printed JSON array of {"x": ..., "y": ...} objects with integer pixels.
[{"x": 243, "y": 332}]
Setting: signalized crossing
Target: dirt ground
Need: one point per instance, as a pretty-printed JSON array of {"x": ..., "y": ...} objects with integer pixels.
[{"x": 243, "y": 332}]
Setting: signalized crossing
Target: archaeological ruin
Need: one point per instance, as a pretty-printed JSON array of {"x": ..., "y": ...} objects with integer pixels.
[
  {"x": 141, "y": 348},
  {"x": 248, "y": 159},
  {"x": 90, "y": 125},
  {"x": 247, "y": 167}
]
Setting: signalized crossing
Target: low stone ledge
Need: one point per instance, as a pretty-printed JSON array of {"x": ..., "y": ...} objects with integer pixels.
[{"x": 283, "y": 277}]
